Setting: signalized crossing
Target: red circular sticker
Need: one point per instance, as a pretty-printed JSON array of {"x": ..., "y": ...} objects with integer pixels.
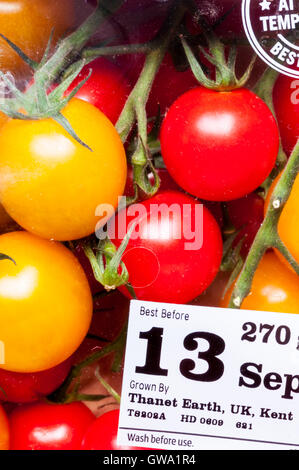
[{"x": 272, "y": 28}]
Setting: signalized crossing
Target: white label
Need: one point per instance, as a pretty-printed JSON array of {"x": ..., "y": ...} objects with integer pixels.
[{"x": 201, "y": 378}]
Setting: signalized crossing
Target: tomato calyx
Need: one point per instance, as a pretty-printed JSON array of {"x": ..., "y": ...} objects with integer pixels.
[
  {"x": 225, "y": 64},
  {"x": 36, "y": 103},
  {"x": 3, "y": 257},
  {"x": 107, "y": 265}
]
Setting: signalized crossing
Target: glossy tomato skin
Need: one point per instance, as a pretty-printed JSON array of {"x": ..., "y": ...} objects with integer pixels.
[
  {"x": 29, "y": 24},
  {"x": 25, "y": 388},
  {"x": 161, "y": 263},
  {"x": 102, "y": 434},
  {"x": 274, "y": 288},
  {"x": 51, "y": 184},
  {"x": 107, "y": 87},
  {"x": 286, "y": 104},
  {"x": 44, "y": 426},
  {"x": 43, "y": 297},
  {"x": 4, "y": 430},
  {"x": 219, "y": 146}
]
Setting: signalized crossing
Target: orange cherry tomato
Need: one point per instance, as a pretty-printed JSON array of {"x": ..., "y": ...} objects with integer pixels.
[
  {"x": 29, "y": 24},
  {"x": 4, "y": 431},
  {"x": 51, "y": 185},
  {"x": 274, "y": 288},
  {"x": 288, "y": 225},
  {"x": 45, "y": 303}
]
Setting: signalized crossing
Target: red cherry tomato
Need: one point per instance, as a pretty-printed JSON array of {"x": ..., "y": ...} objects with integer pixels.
[
  {"x": 17, "y": 387},
  {"x": 246, "y": 215},
  {"x": 219, "y": 145},
  {"x": 107, "y": 87},
  {"x": 102, "y": 434},
  {"x": 44, "y": 426},
  {"x": 165, "y": 261},
  {"x": 286, "y": 103}
]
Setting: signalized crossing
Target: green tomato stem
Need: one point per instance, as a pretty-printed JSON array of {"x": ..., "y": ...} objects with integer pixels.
[
  {"x": 135, "y": 107},
  {"x": 267, "y": 236},
  {"x": 108, "y": 387},
  {"x": 115, "y": 347},
  {"x": 264, "y": 89},
  {"x": 71, "y": 46}
]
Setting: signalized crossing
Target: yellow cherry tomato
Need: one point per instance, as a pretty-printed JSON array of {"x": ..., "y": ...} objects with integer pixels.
[
  {"x": 28, "y": 24},
  {"x": 4, "y": 431},
  {"x": 275, "y": 288},
  {"x": 51, "y": 185},
  {"x": 45, "y": 303}
]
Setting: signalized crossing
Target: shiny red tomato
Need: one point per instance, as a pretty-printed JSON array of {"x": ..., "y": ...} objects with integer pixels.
[
  {"x": 219, "y": 146},
  {"x": 17, "y": 387},
  {"x": 102, "y": 434},
  {"x": 44, "y": 426},
  {"x": 286, "y": 103},
  {"x": 175, "y": 248},
  {"x": 107, "y": 88},
  {"x": 246, "y": 215}
]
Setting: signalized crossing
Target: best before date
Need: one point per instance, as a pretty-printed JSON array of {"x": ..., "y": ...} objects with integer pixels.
[{"x": 208, "y": 378}]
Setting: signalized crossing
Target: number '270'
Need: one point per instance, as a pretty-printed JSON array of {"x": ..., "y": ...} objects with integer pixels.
[{"x": 281, "y": 334}]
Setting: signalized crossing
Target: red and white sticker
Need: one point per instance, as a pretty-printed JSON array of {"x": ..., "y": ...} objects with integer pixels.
[{"x": 202, "y": 378}]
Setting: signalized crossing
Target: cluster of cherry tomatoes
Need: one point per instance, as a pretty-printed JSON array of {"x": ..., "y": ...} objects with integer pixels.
[{"x": 218, "y": 149}]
